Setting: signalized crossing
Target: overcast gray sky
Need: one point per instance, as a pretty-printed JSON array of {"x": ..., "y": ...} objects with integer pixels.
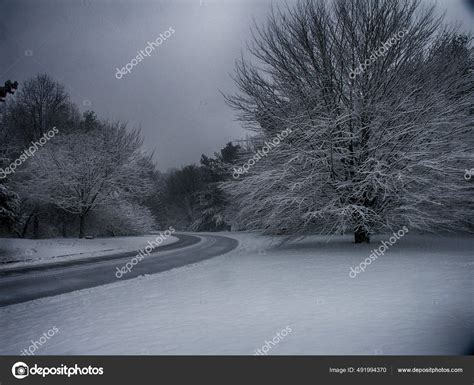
[{"x": 174, "y": 93}]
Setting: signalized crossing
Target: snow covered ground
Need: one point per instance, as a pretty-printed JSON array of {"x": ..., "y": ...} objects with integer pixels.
[
  {"x": 16, "y": 252},
  {"x": 416, "y": 299}
]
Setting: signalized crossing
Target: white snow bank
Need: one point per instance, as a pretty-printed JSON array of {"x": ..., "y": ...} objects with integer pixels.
[
  {"x": 16, "y": 252},
  {"x": 416, "y": 299}
]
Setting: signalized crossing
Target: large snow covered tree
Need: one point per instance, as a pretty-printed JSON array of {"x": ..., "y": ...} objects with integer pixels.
[
  {"x": 88, "y": 171},
  {"x": 369, "y": 151}
]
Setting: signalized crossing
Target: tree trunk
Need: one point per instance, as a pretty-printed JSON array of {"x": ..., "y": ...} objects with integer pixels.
[
  {"x": 64, "y": 230},
  {"x": 25, "y": 227},
  {"x": 82, "y": 225},
  {"x": 36, "y": 224},
  {"x": 189, "y": 211},
  {"x": 361, "y": 235}
]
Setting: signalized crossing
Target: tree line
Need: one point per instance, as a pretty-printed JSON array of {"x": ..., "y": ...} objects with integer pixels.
[{"x": 93, "y": 177}]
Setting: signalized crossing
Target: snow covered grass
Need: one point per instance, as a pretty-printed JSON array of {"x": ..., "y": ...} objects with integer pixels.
[
  {"x": 16, "y": 252},
  {"x": 416, "y": 299}
]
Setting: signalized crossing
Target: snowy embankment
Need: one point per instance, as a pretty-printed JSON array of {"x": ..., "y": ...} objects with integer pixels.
[
  {"x": 416, "y": 299},
  {"x": 16, "y": 252}
]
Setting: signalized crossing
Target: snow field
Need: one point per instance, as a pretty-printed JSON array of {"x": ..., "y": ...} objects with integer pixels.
[{"x": 416, "y": 299}]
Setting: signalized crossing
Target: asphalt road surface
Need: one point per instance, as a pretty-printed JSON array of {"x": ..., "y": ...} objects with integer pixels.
[{"x": 28, "y": 283}]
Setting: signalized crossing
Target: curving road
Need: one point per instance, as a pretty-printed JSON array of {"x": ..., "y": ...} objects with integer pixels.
[{"x": 28, "y": 283}]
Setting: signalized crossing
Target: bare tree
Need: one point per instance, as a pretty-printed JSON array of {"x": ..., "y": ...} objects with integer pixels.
[
  {"x": 38, "y": 106},
  {"x": 367, "y": 152}
]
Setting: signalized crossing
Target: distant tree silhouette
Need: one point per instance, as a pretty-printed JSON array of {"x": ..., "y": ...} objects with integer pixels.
[{"x": 8, "y": 88}]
